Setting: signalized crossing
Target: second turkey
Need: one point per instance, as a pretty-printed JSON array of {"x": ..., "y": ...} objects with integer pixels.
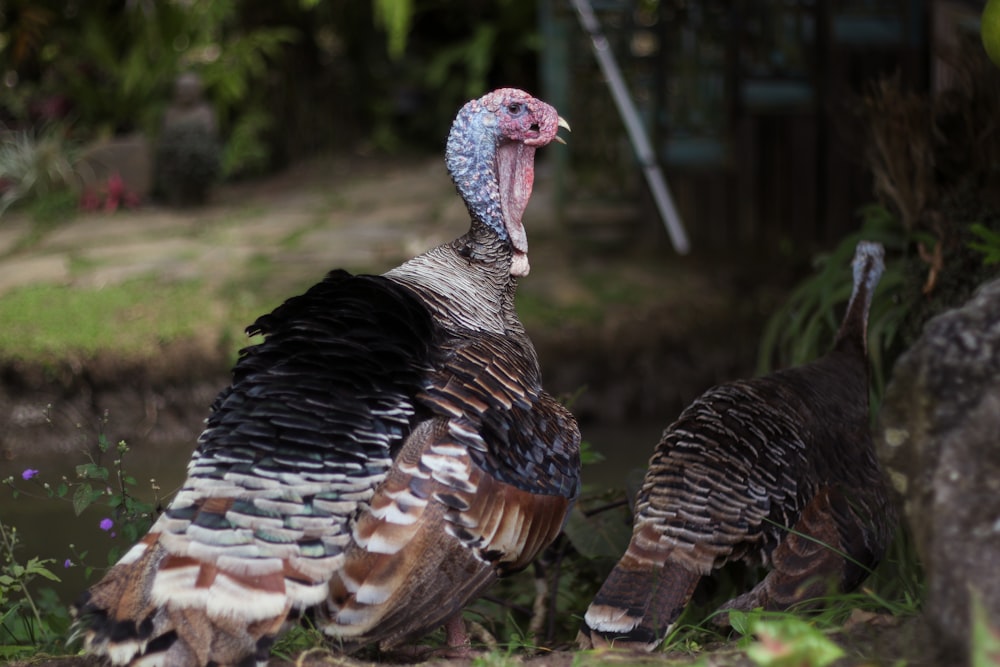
[{"x": 778, "y": 471}]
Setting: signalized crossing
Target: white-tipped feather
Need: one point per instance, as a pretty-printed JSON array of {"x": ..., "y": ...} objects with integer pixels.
[
  {"x": 412, "y": 470},
  {"x": 447, "y": 448},
  {"x": 610, "y": 619},
  {"x": 232, "y": 599},
  {"x": 158, "y": 659},
  {"x": 249, "y": 567},
  {"x": 461, "y": 431},
  {"x": 372, "y": 594},
  {"x": 351, "y": 622},
  {"x": 133, "y": 554},
  {"x": 381, "y": 544},
  {"x": 393, "y": 514},
  {"x": 448, "y": 465},
  {"x": 303, "y": 596},
  {"x": 120, "y": 653},
  {"x": 223, "y": 538},
  {"x": 316, "y": 569},
  {"x": 184, "y": 596}
]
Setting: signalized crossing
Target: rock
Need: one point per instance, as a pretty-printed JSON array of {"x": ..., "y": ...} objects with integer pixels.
[
  {"x": 939, "y": 439},
  {"x": 131, "y": 157}
]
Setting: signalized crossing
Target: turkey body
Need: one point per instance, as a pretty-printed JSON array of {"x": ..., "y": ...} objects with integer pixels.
[
  {"x": 778, "y": 470},
  {"x": 379, "y": 459}
]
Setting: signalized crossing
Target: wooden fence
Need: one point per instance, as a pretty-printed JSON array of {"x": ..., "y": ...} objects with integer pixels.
[{"x": 753, "y": 108}]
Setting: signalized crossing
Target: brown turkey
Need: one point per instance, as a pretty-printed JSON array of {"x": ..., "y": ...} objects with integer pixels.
[
  {"x": 379, "y": 459},
  {"x": 778, "y": 470}
]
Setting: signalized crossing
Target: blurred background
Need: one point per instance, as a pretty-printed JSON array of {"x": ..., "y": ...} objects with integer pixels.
[{"x": 753, "y": 108}]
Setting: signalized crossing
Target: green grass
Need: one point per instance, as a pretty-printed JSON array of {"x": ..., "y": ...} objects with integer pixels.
[{"x": 43, "y": 322}]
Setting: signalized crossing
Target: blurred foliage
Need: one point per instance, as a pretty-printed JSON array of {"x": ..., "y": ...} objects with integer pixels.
[
  {"x": 108, "y": 67},
  {"x": 32, "y": 621},
  {"x": 25, "y": 622},
  {"x": 36, "y": 167},
  {"x": 933, "y": 160},
  {"x": 804, "y": 327},
  {"x": 287, "y": 78},
  {"x": 396, "y": 17}
]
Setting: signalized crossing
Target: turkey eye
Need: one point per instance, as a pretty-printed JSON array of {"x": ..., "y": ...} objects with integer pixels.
[{"x": 515, "y": 108}]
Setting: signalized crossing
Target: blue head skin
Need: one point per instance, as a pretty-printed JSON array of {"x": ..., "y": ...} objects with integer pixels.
[
  {"x": 867, "y": 267},
  {"x": 491, "y": 158}
]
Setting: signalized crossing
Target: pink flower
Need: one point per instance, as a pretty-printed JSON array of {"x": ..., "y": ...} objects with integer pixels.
[
  {"x": 28, "y": 473},
  {"x": 106, "y": 524}
]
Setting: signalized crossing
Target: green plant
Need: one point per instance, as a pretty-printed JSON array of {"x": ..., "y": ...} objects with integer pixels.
[
  {"x": 985, "y": 635},
  {"x": 98, "y": 481},
  {"x": 35, "y": 166},
  {"x": 987, "y": 242},
  {"x": 245, "y": 152},
  {"x": 804, "y": 327},
  {"x": 785, "y": 640},
  {"x": 118, "y": 63},
  {"x": 22, "y": 622},
  {"x": 32, "y": 620}
]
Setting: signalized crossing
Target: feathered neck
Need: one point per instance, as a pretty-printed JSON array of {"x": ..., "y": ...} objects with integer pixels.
[{"x": 868, "y": 266}]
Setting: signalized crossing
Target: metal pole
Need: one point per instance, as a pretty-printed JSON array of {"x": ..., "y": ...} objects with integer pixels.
[{"x": 633, "y": 125}]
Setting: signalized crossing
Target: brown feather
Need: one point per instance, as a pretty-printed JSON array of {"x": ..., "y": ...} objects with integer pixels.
[{"x": 778, "y": 470}]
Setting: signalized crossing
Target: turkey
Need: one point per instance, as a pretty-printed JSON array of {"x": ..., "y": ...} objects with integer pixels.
[
  {"x": 778, "y": 470},
  {"x": 379, "y": 459}
]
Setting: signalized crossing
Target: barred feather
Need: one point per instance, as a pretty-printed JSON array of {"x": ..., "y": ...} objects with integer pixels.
[
  {"x": 378, "y": 460},
  {"x": 744, "y": 470}
]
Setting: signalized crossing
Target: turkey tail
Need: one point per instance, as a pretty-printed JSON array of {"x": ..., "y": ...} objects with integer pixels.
[
  {"x": 638, "y": 603},
  {"x": 106, "y": 613},
  {"x": 214, "y": 615},
  {"x": 868, "y": 266}
]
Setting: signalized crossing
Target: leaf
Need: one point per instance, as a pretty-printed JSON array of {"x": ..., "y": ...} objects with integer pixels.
[
  {"x": 985, "y": 636},
  {"x": 988, "y": 244},
  {"x": 395, "y": 16},
  {"x": 602, "y": 535},
  {"x": 589, "y": 455},
  {"x": 37, "y": 566},
  {"x": 92, "y": 471},
  {"x": 739, "y": 621},
  {"x": 791, "y": 642},
  {"x": 83, "y": 497}
]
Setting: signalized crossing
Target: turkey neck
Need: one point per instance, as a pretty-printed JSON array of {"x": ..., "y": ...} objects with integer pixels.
[
  {"x": 466, "y": 283},
  {"x": 868, "y": 266}
]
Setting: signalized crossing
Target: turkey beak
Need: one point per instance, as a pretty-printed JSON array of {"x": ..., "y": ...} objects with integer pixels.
[{"x": 563, "y": 123}]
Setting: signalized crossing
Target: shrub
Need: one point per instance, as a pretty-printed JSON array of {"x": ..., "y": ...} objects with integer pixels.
[{"x": 35, "y": 166}]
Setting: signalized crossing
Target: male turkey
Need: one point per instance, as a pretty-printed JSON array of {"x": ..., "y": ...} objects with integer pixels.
[
  {"x": 380, "y": 458},
  {"x": 778, "y": 470}
]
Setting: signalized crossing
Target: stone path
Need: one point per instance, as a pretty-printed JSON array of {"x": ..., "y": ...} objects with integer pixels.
[{"x": 357, "y": 220}]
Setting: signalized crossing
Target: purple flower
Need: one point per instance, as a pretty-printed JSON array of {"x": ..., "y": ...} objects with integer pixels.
[
  {"x": 67, "y": 563},
  {"x": 28, "y": 473},
  {"x": 106, "y": 524}
]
